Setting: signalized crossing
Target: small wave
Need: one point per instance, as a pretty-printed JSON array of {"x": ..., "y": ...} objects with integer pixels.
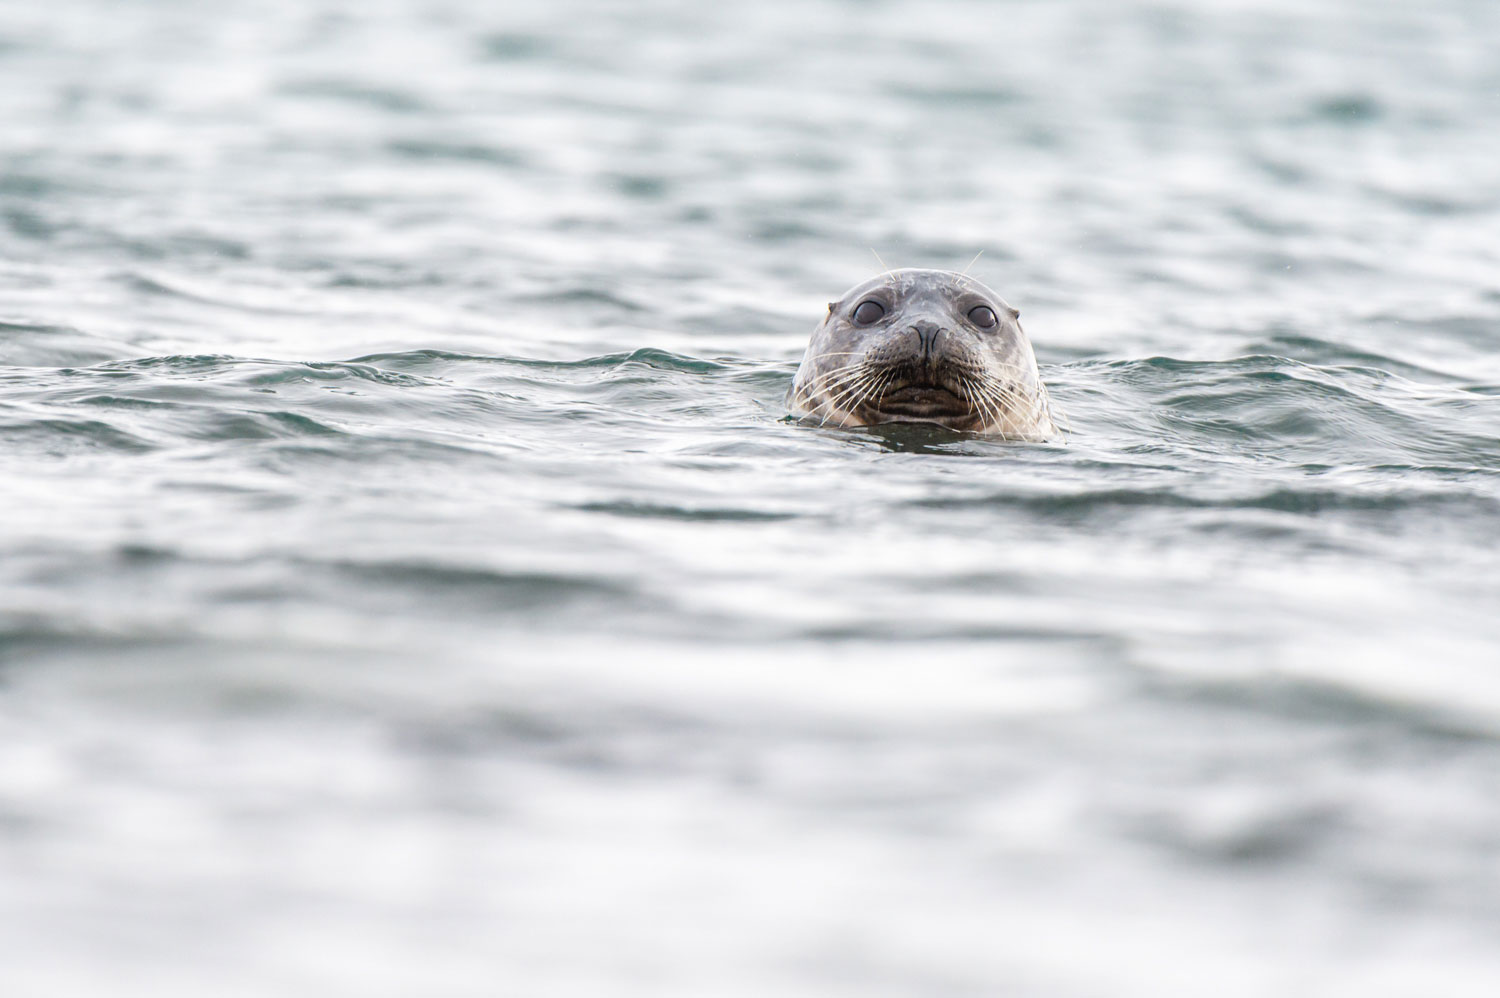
[
  {"x": 239, "y": 297},
  {"x": 30, "y": 344},
  {"x": 464, "y": 152},
  {"x": 1318, "y": 352},
  {"x": 654, "y": 511},
  {"x": 513, "y": 47},
  {"x": 402, "y": 101},
  {"x": 590, "y": 295},
  {"x": 266, "y": 425},
  {"x": 1348, "y": 109},
  {"x": 1307, "y": 698},
  {"x": 498, "y": 590},
  {"x": 59, "y": 435},
  {"x": 1310, "y": 500},
  {"x": 258, "y": 371},
  {"x": 645, "y": 356},
  {"x": 954, "y": 98},
  {"x": 1265, "y": 408}
]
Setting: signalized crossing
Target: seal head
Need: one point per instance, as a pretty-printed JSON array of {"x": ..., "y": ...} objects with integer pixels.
[{"x": 923, "y": 346}]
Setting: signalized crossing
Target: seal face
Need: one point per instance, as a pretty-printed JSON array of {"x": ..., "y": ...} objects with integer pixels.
[{"x": 923, "y": 346}]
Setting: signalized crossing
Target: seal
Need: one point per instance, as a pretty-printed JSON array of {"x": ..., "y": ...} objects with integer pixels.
[{"x": 923, "y": 346}]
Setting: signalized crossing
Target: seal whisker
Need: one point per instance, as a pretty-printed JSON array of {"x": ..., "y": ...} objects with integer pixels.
[
  {"x": 1007, "y": 401},
  {"x": 1000, "y": 394},
  {"x": 989, "y": 411},
  {"x": 1004, "y": 390},
  {"x": 841, "y": 376},
  {"x": 890, "y": 376},
  {"x": 827, "y": 379},
  {"x": 968, "y": 394},
  {"x": 989, "y": 407},
  {"x": 878, "y": 386},
  {"x": 841, "y": 388},
  {"x": 876, "y": 381},
  {"x": 853, "y": 388}
]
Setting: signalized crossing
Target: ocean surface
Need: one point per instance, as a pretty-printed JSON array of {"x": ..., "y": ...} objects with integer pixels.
[{"x": 411, "y": 583}]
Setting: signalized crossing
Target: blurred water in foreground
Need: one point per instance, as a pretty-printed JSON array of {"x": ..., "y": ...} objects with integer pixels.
[{"x": 409, "y": 584}]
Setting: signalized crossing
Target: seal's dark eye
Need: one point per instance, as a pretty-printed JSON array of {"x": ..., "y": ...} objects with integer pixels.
[
  {"x": 983, "y": 316},
  {"x": 868, "y": 312}
]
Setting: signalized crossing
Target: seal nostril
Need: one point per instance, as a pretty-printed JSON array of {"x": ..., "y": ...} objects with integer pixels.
[{"x": 927, "y": 334}]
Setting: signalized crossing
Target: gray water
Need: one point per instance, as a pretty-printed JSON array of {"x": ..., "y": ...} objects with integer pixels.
[{"x": 410, "y": 583}]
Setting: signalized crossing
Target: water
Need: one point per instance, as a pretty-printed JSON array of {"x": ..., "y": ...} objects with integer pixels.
[{"x": 409, "y": 583}]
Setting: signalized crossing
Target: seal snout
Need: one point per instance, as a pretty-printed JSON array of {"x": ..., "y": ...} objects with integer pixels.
[
  {"x": 927, "y": 333},
  {"x": 922, "y": 351},
  {"x": 923, "y": 363}
]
